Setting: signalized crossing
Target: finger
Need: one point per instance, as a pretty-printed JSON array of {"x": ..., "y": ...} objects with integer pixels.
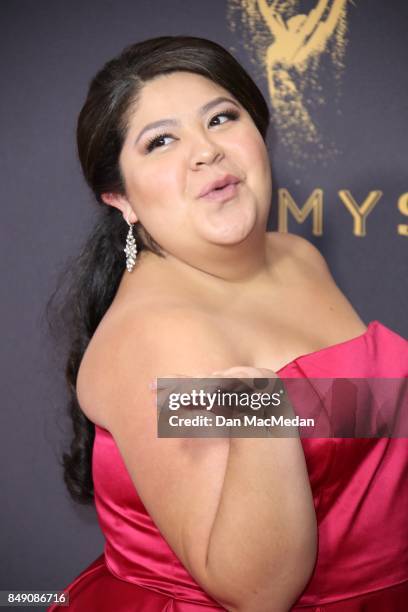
[
  {"x": 153, "y": 381},
  {"x": 154, "y": 385}
]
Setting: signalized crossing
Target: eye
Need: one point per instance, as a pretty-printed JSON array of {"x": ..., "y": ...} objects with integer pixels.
[
  {"x": 230, "y": 114},
  {"x": 157, "y": 141}
]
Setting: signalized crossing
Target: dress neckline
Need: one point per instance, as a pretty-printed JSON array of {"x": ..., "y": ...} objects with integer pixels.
[
  {"x": 372, "y": 325},
  {"x": 370, "y": 328}
]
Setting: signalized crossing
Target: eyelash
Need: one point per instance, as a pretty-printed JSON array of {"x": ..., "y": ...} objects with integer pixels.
[{"x": 231, "y": 114}]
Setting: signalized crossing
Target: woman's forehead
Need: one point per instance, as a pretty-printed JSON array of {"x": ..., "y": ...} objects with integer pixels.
[
  {"x": 176, "y": 91},
  {"x": 181, "y": 78}
]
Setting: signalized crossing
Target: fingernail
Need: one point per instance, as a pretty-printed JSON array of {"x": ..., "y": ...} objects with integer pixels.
[{"x": 153, "y": 384}]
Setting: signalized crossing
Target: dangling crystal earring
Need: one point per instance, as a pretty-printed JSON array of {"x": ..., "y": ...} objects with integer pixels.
[{"x": 131, "y": 248}]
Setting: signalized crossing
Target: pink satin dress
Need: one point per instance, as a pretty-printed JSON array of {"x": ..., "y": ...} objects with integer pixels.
[{"x": 360, "y": 491}]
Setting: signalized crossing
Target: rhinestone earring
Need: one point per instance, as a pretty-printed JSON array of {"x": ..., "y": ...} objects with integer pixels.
[{"x": 130, "y": 249}]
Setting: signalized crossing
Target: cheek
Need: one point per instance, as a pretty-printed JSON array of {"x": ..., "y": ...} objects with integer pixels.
[
  {"x": 156, "y": 185},
  {"x": 251, "y": 147},
  {"x": 254, "y": 159},
  {"x": 256, "y": 151}
]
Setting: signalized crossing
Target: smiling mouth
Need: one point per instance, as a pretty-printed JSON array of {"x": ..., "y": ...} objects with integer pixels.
[{"x": 222, "y": 194}]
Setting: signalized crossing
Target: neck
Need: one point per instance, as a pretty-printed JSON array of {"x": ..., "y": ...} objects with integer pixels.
[{"x": 227, "y": 268}]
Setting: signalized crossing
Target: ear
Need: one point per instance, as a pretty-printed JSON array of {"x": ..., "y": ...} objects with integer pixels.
[{"x": 121, "y": 203}]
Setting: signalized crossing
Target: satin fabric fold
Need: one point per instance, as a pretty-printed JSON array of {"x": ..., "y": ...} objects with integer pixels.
[{"x": 360, "y": 493}]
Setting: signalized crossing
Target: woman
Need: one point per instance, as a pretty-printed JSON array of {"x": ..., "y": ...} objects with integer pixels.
[{"x": 171, "y": 140}]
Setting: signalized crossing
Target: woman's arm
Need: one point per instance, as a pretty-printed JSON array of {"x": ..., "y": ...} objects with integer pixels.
[
  {"x": 238, "y": 513},
  {"x": 262, "y": 545}
]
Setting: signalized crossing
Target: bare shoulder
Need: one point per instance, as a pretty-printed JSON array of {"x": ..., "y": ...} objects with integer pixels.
[
  {"x": 335, "y": 314},
  {"x": 146, "y": 342},
  {"x": 299, "y": 250},
  {"x": 127, "y": 352}
]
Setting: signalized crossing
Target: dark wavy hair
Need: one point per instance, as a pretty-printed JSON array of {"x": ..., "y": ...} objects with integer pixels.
[{"x": 87, "y": 285}]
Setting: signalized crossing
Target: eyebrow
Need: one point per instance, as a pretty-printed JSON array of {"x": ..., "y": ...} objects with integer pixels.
[{"x": 175, "y": 122}]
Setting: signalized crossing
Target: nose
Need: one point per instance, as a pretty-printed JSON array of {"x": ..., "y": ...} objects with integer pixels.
[{"x": 204, "y": 152}]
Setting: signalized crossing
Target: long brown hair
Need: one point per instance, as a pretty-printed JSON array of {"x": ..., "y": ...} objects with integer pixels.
[{"x": 87, "y": 287}]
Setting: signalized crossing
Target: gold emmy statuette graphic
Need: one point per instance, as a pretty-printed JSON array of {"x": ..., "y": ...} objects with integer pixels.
[{"x": 291, "y": 61}]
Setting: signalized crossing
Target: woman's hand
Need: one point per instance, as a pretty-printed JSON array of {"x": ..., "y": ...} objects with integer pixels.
[
  {"x": 239, "y": 393},
  {"x": 237, "y": 372}
]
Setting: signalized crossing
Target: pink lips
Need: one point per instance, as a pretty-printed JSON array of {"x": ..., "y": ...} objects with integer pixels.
[{"x": 222, "y": 189}]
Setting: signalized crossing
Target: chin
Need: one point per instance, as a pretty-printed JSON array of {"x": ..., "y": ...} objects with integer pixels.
[
  {"x": 230, "y": 236},
  {"x": 231, "y": 224}
]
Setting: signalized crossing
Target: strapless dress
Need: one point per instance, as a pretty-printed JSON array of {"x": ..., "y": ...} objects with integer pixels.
[{"x": 360, "y": 492}]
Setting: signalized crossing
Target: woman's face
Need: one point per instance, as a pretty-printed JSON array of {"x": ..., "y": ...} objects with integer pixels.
[{"x": 185, "y": 133}]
